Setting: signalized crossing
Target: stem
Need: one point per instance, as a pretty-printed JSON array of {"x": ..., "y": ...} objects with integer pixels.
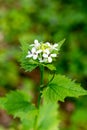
[
  {"x": 44, "y": 86},
  {"x": 41, "y": 83},
  {"x": 41, "y": 74},
  {"x": 39, "y": 96},
  {"x": 51, "y": 79}
]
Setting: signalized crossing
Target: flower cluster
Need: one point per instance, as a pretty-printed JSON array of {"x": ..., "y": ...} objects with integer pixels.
[{"x": 43, "y": 52}]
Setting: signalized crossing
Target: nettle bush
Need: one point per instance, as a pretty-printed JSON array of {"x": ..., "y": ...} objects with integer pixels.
[{"x": 43, "y": 115}]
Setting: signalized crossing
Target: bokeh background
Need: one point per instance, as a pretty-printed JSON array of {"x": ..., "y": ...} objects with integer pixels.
[{"x": 45, "y": 20}]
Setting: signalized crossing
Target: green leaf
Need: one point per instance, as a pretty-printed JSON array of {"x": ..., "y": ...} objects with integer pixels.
[
  {"x": 24, "y": 45},
  {"x": 62, "y": 87},
  {"x": 50, "y": 67},
  {"x": 60, "y": 43},
  {"x": 47, "y": 120},
  {"x": 26, "y": 63},
  {"x": 48, "y": 117},
  {"x": 28, "y": 120},
  {"x": 15, "y": 102}
]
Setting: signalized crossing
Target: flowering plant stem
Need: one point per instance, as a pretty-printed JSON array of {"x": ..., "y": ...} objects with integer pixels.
[
  {"x": 41, "y": 83},
  {"x": 39, "y": 93}
]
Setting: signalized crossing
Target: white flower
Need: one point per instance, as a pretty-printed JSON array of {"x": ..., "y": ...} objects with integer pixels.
[
  {"x": 29, "y": 54},
  {"x": 42, "y": 52},
  {"x": 46, "y": 52},
  {"x": 32, "y": 53},
  {"x": 36, "y": 44},
  {"x": 54, "y": 47},
  {"x": 54, "y": 55},
  {"x": 36, "y": 41},
  {"x": 42, "y": 60},
  {"x": 39, "y": 51},
  {"x": 48, "y": 44},
  {"x": 49, "y": 57}
]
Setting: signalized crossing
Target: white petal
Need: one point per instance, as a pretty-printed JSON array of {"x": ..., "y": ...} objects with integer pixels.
[
  {"x": 35, "y": 57},
  {"x": 40, "y": 60},
  {"x": 53, "y": 55},
  {"x": 29, "y": 52},
  {"x": 32, "y": 45},
  {"x": 33, "y": 50},
  {"x": 47, "y": 51},
  {"x": 54, "y": 48},
  {"x": 48, "y": 44},
  {"x": 37, "y": 45},
  {"x": 55, "y": 45},
  {"x": 36, "y": 41},
  {"x": 45, "y": 55},
  {"x": 28, "y": 56},
  {"x": 39, "y": 51},
  {"x": 49, "y": 59}
]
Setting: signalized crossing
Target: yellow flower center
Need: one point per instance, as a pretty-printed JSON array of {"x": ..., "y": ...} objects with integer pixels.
[{"x": 44, "y": 46}]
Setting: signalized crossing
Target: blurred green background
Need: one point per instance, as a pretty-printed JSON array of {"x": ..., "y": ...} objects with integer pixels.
[{"x": 45, "y": 20}]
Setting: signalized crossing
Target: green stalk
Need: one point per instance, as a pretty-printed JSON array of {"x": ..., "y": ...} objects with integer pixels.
[
  {"x": 41, "y": 83},
  {"x": 39, "y": 95}
]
